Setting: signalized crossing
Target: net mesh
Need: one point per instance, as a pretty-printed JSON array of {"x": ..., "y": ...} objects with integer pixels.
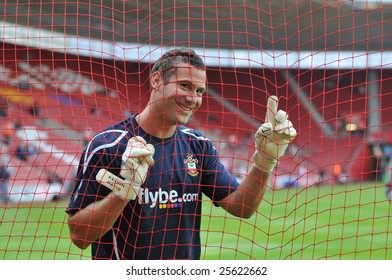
[{"x": 69, "y": 70}]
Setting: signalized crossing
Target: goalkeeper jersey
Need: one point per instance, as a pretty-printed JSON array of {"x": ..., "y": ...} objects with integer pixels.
[{"x": 163, "y": 222}]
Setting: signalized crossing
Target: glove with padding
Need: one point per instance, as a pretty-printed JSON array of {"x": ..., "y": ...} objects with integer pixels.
[
  {"x": 273, "y": 137},
  {"x": 136, "y": 160}
]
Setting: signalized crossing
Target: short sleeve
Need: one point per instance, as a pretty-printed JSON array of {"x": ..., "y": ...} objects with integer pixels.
[{"x": 87, "y": 190}]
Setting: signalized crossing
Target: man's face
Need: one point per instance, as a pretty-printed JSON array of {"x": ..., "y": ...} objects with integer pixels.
[{"x": 182, "y": 95}]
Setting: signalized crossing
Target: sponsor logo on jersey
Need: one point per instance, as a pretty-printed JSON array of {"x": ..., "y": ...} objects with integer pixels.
[
  {"x": 165, "y": 199},
  {"x": 191, "y": 162}
]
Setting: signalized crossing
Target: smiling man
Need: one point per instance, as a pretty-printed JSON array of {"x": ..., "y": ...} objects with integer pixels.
[
  {"x": 140, "y": 182},
  {"x": 177, "y": 90}
]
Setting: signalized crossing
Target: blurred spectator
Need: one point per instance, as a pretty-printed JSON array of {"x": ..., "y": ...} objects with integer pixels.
[
  {"x": 25, "y": 150},
  {"x": 8, "y": 132},
  {"x": 55, "y": 179},
  {"x": 387, "y": 150},
  {"x": 379, "y": 159},
  {"x": 56, "y": 183},
  {"x": 338, "y": 174},
  {"x": 4, "y": 176},
  {"x": 286, "y": 180},
  {"x": 388, "y": 191},
  {"x": 387, "y": 172},
  {"x": 387, "y": 178},
  {"x": 3, "y": 107},
  {"x": 321, "y": 176},
  {"x": 17, "y": 125},
  {"x": 96, "y": 111},
  {"x": 34, "y": 110}
]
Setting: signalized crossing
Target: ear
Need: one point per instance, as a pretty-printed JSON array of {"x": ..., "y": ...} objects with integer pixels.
[{"x": 155, "y": 80}]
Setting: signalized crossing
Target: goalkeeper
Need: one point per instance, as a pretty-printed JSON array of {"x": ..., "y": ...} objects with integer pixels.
[{"x": 139, "y": 186}]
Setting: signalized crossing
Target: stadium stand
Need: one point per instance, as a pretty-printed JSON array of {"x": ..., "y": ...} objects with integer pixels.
[{"x": 229, "y": 104}]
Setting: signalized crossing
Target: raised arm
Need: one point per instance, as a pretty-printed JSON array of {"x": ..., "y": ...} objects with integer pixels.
[{"x": 271, "y": 141}]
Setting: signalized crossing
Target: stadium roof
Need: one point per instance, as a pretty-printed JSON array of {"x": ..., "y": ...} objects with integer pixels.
[{"x": 290, "y": 26}]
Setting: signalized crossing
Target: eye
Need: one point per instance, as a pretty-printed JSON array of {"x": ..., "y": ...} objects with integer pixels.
[
  {"x": 185, "y": 86},
  {"x": 200, "y": 91}
]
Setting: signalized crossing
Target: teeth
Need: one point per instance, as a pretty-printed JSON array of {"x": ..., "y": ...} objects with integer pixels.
[{"x": 185, "y": 108}]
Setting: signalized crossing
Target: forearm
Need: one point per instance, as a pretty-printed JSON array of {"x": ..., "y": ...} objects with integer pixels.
[
  {"x": 254, "y": 186},
  {"x": 245, "y": 201},
  {"x": 92, "y": 222}
]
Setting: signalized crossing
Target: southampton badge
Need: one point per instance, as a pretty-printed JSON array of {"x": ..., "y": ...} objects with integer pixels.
[{"x": 191, "y": 164}]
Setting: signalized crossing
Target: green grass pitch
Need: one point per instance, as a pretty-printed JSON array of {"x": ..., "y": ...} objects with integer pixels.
[{"x": 351, "y": 222}]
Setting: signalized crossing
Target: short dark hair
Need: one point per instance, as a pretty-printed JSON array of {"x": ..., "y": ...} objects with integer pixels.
[{"x": 167, "y": 62}]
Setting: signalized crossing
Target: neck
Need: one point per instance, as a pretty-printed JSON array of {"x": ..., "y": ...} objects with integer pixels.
[{"x": 156, "y": 125}]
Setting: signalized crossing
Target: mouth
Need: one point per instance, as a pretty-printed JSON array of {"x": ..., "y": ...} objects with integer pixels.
[{"x": 185, "y": 108}]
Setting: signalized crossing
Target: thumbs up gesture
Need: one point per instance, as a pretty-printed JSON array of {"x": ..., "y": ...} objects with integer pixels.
[{"x": 273, "y": 137}]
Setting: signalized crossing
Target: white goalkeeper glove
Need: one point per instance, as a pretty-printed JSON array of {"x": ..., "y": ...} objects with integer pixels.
[
  {"x": 136, "y": 160},
  {"x": 273, "y": 137}
]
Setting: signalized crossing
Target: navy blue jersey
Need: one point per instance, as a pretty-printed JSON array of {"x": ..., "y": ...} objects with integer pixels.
[{"x": 164, "y": 221}]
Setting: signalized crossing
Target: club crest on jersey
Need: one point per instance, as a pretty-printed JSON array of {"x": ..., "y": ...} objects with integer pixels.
[{"x": 191, "y": 162}]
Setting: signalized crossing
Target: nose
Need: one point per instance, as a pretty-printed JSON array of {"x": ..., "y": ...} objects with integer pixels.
[{"x": 192, "y": 96}]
